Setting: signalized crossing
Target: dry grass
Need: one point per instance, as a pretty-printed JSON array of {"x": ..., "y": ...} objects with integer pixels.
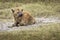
[
  {"x": 36, "y": 9},
  {"x": 43, "y": 32}
]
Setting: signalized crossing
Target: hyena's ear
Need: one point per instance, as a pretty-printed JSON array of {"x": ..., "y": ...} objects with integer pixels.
[
  {"x": 22, "y": 10},
  {"x": 12, "y": 10}
]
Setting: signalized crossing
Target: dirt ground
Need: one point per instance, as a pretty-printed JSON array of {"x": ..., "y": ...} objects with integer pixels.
[{"x": 6, "y": 25}]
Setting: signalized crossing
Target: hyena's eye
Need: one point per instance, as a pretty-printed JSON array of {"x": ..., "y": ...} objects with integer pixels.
[{"x": 18, "y": 12}]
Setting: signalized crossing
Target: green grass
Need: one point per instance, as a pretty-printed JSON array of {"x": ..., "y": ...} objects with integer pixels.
[
  {"x": 43, "y": 32},
  {"x": 36, "y": 9},
  {"x": 29, "y": 1}
]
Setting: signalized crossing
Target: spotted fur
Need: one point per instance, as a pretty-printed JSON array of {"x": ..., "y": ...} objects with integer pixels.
[{"x": 22, "y": 17}]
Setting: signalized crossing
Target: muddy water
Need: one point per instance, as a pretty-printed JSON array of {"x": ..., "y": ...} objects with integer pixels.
[{"x": 6, "y": 25}]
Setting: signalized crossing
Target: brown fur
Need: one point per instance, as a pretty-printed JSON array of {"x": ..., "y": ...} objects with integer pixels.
[{"x": 26, "y": 19}]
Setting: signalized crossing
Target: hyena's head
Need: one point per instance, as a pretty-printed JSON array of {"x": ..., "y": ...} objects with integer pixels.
[{"x": 17, "y": 12}]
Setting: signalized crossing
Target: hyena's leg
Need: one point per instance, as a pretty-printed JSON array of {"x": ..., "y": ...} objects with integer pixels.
[
  {"x": 15, "y": 24},
  {"x": 23, "y": 23}
]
